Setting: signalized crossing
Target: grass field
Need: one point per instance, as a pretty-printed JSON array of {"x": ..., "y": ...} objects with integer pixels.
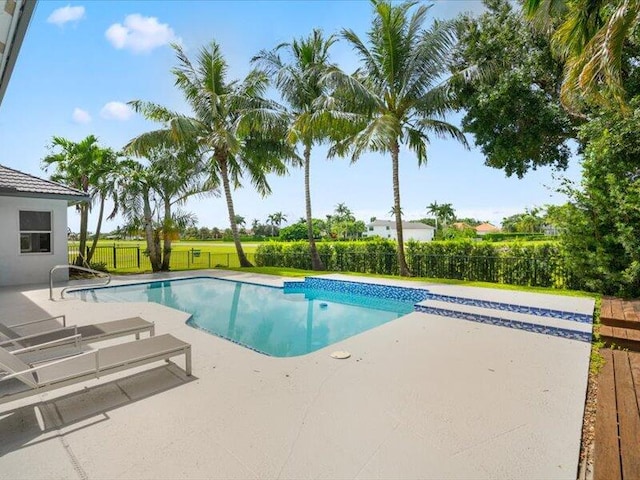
[
  {"x": 127, "y": 256},
  {"x": 213, "y": 247}
]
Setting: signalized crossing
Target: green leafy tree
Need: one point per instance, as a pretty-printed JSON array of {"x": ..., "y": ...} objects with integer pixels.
[
  {"x": 591, "y": 38},
  {"x": 87, "y": 167},
  {"x": 235, "y": 130},
  {"x": 299, "y": 77},
  {"x": 298, "y": 231},
  {"x": 511, "y": 93},
  {"x": 531, "y": 221},
  {"x": 600, "y": 227},
  {"x": 398, "y": 93}
]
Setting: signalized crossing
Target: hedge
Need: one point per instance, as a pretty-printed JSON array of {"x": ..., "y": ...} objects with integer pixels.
[{"x": 539, "y": 264}]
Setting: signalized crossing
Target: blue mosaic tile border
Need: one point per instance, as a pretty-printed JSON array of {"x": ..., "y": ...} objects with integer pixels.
[
  {"x": 511, "y": 307},
  {"x": 403, "y": 294},
  {"x": 501, "y": 322}
]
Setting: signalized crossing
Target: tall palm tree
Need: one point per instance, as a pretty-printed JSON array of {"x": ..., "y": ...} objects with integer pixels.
[
  {"x": 232, "y": 127},
  {"x": 87, "y": 167},
  {"x": 399, "y": 90},
  {"x": 590, "y": 37},
  {"x": 299, "y": 78}
]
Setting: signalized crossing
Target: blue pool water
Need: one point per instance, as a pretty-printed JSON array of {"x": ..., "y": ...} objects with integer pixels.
[{"x": 263, "y": 318}]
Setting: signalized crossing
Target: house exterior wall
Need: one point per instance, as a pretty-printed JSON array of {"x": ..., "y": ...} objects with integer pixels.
[
  {"x": 28, "y": 268},
  {"x": 420, "y": 235}
]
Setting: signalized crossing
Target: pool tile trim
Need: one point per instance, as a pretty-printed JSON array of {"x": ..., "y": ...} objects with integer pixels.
[
  {"x": 512, "y": 307},
  {"x": 501, "y": 322},
  {"x": 391, "y": 292}
]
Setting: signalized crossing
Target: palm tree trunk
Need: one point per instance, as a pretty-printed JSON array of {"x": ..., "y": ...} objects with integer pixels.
[
  {"x": 147, "y": 221},
  {"x": 84, "y": 220},
  {"x": 224, "y": 173},
  {"x": 316, "y": 261},
  {"x": 98, "y": 228},
  {"x": 166, "y": 249},
  {"x": 402, "y": 262}
]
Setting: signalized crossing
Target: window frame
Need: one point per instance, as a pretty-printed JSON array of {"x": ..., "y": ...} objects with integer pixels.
[{"x": 50, "y": 231}]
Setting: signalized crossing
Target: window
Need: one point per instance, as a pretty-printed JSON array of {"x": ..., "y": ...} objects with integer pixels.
[
  {"x": 371, "y": 229},
  {"x": 387, "y": 227},
  {"x": 35, "y": 232}
]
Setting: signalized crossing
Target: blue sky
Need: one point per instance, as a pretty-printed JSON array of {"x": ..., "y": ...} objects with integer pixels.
[{"x": 82, "y": 61}]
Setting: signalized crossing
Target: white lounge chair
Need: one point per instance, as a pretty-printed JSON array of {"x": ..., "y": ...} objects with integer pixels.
[
  {"x": 75, "y": 335},
  {"x": 22, "y": 380}
]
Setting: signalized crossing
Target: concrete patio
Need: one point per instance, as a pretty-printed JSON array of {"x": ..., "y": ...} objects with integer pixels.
[{"x": 424, "y": 396}]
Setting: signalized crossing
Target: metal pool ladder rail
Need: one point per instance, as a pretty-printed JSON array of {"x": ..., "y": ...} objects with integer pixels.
[{"x": 83, "y": 269}]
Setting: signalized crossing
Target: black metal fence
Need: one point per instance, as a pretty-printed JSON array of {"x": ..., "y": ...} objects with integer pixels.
[
  {"x": 526, "y": 271},
  {"x": 134, "y": 259}
]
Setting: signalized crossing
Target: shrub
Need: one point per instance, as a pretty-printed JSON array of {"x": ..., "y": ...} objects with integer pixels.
[{"x": 537, "y": 264}]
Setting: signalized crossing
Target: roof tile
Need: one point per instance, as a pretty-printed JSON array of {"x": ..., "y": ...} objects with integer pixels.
[{"x": 14, "y": 181}]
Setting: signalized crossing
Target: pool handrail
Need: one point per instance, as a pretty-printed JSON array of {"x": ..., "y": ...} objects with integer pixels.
[{"x": 83, "y": 269}]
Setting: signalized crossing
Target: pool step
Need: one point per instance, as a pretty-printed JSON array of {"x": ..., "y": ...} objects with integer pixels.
[
  {"x": 531, "y": 308},
  {"x": 559, "y": 327}
]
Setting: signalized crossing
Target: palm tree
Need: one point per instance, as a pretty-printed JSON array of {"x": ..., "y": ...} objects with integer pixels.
[
  {"x": 276, "y": 219},
  {"x": 233, "y": 128},
  {"x": 343, "y": 213},
  {"x": 87, "y": 167},
  {"x": 447, "y": 213},
  {"x": 590, "y": 38},
  {"x": 149, "y": 193},
  {"x": 434, "y": 209},
  {"x": 399, "y": 89},
  {"x": 299, "y": 79}
]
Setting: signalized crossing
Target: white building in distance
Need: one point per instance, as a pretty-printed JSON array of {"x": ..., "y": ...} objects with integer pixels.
[{"x": 416, "y": 231}]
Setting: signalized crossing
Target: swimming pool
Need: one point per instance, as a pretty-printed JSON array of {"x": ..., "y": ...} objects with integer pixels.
[{"x": 284, "y": 322}]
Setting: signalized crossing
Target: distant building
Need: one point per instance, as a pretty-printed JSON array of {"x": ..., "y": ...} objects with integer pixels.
[
  {"x": 461, "y": 225},
  {"x": 410, "y": 230},
  {"x": 485, "y": 228},
  {"x": 33, "y": 215}
]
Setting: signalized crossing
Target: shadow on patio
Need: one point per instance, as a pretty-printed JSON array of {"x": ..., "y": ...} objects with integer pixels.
[{"x": 39, "y": 422}]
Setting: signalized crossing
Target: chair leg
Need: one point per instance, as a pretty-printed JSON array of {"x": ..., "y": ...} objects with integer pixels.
[{"x": 187, "y": 361}]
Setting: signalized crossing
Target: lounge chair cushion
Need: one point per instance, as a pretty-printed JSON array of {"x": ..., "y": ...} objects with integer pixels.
[{"x": 12, "y": 364}]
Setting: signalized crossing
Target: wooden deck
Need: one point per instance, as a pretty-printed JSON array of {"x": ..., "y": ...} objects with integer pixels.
[
  {"x": 617, "y": 429},
  {"x": 620, "y": 321}
]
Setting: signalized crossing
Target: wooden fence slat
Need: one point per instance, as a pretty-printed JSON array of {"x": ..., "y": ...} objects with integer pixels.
[
  {"x": 606, "y": 462},
  {"x": 628, "y": 417}
]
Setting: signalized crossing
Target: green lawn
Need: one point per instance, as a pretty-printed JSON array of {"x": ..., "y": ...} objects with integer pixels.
[
  {"x": 129, "y": 257},
  {"x": 204, "y": 246}
]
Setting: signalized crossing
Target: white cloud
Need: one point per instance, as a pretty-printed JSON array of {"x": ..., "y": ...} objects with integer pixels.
[
  {"x": 116, "y": 111},
  {"x": 67, "y": 14},
  {"x": 80, "y": 116},
  {"x": 140, "y": 34}
]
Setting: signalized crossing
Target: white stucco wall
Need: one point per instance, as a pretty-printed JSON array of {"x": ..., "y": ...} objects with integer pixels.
[
  {"x": 420, "y": 235},
  {"x": 28, "y": 268}
]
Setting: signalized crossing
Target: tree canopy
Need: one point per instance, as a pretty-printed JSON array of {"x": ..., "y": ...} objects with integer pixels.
[{"x": 511, "y": 92}]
